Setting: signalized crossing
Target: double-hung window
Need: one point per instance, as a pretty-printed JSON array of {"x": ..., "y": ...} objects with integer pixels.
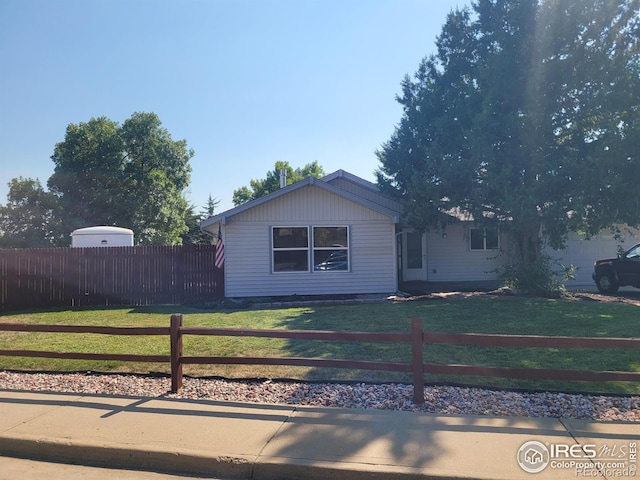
[
  {"x": 290, "y": 249},
  {"x": 295, "y": 249},
  {"x": 484, "y": 239},
  {"x": 330, "y": 249}
]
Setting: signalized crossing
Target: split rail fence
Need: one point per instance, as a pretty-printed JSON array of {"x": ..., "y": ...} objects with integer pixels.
[
  {"x": 142, "y": 275},
  {"x": 417, "y": 338}
]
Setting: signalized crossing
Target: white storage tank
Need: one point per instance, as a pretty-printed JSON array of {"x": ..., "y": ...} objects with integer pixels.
[{"x": 102, "y": 236}]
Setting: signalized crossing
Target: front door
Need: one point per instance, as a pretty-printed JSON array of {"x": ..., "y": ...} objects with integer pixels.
[{"x": 414, "y": 260}]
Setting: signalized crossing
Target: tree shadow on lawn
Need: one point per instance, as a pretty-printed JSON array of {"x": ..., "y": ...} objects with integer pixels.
[{"x": 550, "y": 358}]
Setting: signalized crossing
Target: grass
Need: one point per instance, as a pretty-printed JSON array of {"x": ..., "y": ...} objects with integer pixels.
[{"x": 509, "y": 315}]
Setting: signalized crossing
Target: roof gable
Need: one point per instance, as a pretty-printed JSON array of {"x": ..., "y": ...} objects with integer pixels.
[
  {"x": 326, "y": 184},
  {"x": 362, "y": 188},
  {"x": 352, "y": 178}
]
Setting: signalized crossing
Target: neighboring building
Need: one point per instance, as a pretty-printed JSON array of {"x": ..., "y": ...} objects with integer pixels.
[
  {"x": 340, "y": 235},
  {"x": 582, "y": 252},
  {"x": 102, "y": 236}
]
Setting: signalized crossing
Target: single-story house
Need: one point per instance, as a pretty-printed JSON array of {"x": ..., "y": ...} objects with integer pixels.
[
  {"x": 334, "y": 235},
  {"x": 340, "y": 235}
]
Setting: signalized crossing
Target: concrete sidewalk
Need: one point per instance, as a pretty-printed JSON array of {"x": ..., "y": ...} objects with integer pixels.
[{"x": 249, "y": 441}]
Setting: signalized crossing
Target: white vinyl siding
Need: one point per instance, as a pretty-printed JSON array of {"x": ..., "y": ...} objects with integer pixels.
[
  {"x": 248, "y": 249},
  {"x": 450, "y": 258},
  {"x": 310, "y": 205},
  {"x": 484, "y": 239},
  {"x": 582, "y": 252}
]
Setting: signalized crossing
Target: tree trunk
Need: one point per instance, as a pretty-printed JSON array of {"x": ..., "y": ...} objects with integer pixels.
[{"x": 528, "y": 242}]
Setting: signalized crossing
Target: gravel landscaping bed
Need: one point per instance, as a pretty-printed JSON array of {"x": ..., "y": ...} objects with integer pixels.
[{"x": 438, "y": 399}]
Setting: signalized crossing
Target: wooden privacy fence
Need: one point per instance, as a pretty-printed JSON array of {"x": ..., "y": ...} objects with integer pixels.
[
  {"x": 143, "y": 275},
  {"x": 416, "y": 338}
]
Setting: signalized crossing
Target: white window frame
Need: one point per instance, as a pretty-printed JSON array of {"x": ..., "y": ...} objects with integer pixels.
[
  {"x": 346, "y": 248},
  {"x": 484, "y": 239},
  {"x": 310, "y": 249},
  {"x": 275, "y": 249}
]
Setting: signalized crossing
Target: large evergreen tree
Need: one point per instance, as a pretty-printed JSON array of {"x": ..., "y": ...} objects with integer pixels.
[
  {"x": 194, "y": 234},
  {"x": 527, "y": 117}
]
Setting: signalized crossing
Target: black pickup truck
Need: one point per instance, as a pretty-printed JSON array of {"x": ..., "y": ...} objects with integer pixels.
[{"x": 612, "y": 273}]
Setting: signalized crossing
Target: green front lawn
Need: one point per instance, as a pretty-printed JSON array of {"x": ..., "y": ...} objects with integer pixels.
[{"x": 508, "y": 315}]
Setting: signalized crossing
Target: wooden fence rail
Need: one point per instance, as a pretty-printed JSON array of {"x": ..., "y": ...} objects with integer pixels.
[
  {"x": 416, "y": 339},
  {"x": 142, "y": 275},
  {"x": 22, "y": 327},
  {"x": 531, "y": 341}
]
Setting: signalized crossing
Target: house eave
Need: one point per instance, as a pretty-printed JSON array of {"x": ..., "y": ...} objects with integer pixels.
[{"x": 309, "y": 181}]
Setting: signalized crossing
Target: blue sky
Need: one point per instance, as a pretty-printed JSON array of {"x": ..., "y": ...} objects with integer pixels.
[{"x": 245, "y": 82}]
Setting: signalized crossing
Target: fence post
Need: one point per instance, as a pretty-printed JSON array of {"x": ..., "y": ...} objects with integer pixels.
[
  {"x": 417, "y": 361},
  {"x": 176, "y": 352}
]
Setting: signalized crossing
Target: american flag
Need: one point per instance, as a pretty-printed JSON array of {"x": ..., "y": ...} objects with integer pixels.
[{"x": 219, "y": 250}]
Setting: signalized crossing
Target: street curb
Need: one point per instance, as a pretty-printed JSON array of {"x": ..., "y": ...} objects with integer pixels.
[
  {"x": 133, "y": 458},
  {"x": 313, "y": 470},
  {"x": 184, "y": 462}
]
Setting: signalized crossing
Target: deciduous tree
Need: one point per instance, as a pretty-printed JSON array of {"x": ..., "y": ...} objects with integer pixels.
[
  {"x": 271, "y": 183},
  {"x": 131, "y": 175},
  {"x": 30, "y": 218}
]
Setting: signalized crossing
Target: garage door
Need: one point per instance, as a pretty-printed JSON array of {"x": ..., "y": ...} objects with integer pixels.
[{"x": 582, "y": 253}]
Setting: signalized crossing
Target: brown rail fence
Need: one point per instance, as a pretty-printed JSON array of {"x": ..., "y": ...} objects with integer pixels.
[
  {"x": 416, "y": 338},
  {"x": 142, "y": 275}
]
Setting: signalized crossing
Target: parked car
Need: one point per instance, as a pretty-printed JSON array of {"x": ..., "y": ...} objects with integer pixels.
[
  {"x": 612, "y": 273},
  {"x": 335, "y": 261}
]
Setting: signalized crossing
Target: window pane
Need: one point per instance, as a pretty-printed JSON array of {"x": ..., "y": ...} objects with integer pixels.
[
  {"x": 477, "y": 239},
  {"x": 414, "y": 250},
  {"x": 330, "y": 237},
  {"x": 290, "y": 261},
  {"x": 492, "y": 238},
  {"x": 634, "y": 253},
  {"x": 290, "y": 237},
  {"x": 330, "y": 260}
]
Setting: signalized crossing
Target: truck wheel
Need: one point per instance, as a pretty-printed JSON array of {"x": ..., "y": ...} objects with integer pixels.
[{"x": 607, "y": 283}]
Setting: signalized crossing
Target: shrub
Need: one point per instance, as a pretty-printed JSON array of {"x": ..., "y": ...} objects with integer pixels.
[{"x": 537, "y": 277}]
